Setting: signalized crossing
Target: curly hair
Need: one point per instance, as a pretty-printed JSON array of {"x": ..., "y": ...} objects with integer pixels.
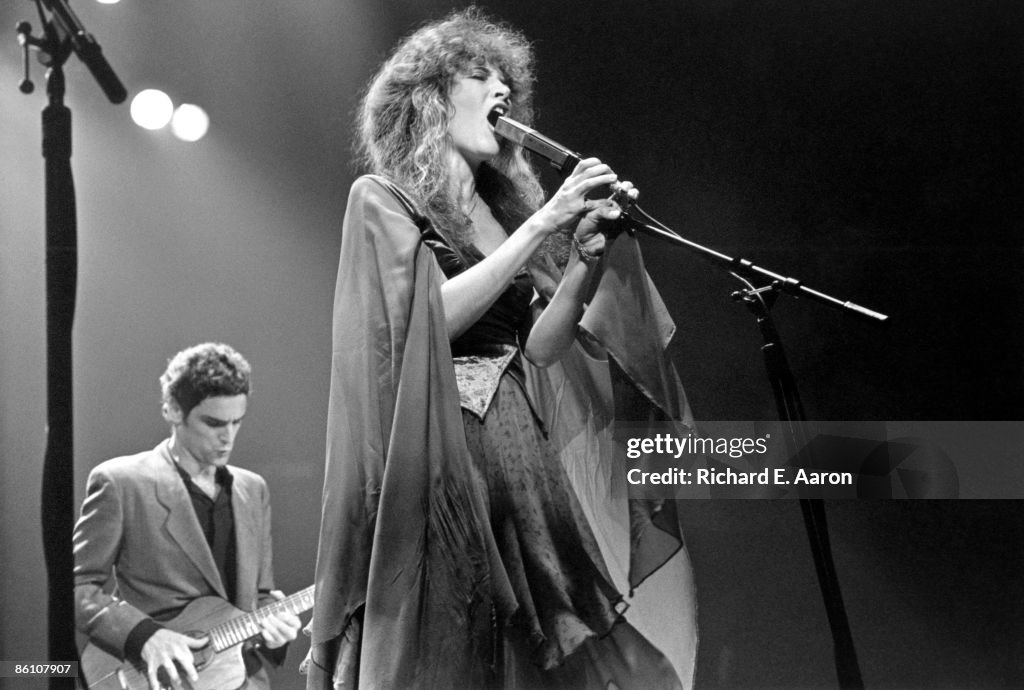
[
  {"x": 404, "y": 116},
  {"x": 204, "y": 371}
]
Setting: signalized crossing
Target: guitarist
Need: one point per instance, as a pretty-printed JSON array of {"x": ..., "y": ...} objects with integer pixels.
[{"x": 166, "y": 526}]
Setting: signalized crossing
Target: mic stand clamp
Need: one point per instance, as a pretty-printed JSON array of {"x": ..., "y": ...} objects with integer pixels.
[{"x": 53, "y": 52}]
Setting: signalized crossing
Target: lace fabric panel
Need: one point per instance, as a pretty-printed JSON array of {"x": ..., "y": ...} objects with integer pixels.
[{"x": 478, "y": 375}]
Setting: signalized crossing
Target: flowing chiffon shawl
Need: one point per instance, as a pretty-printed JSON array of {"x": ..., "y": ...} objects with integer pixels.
[{"x": 404, "y": 536}]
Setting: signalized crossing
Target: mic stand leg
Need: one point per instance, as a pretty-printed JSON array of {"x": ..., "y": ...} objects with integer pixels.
[
  {"x": 791, "y": 414},
  {"x": 58, "y": 468}
]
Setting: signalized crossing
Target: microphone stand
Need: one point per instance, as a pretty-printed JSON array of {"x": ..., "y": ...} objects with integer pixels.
[
  {"x": 787, "y": 399},
  {"x": 62, "y": 35},
  {"x": 791, "y": 413}
]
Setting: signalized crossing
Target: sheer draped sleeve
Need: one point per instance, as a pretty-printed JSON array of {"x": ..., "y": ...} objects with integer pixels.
[{"x": 403, "y": 538}]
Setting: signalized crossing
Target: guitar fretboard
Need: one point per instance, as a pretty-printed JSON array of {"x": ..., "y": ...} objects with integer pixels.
[{"x": 240, "y": 629}]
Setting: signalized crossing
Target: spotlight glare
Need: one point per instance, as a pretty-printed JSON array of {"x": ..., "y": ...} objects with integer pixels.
[
  {"x": 152, "y": 109},
  {"x": 190, "y": 122}
]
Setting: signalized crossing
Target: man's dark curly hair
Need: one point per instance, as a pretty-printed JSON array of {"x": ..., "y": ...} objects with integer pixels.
[{"x": 205, "y": 371}]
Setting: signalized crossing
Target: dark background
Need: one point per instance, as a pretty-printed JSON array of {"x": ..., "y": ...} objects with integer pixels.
[{"x": 871, "y": 149}]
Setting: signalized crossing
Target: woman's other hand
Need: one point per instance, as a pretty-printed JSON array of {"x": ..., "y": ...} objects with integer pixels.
[
  {"x": 570, "y": 202},
  {"x": 595, "y": 227}
]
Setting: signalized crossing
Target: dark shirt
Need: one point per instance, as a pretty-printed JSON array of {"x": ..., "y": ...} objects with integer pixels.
[{"x": 217, "y": 520}]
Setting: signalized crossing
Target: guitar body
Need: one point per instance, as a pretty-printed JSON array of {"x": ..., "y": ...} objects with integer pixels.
[{"x": 223, "y": 670}]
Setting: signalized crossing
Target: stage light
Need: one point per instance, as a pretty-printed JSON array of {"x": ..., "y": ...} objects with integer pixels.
[
  {"x": 108, "y": 2},
  {"x": 152, "y": 109},
  {"x": 190, "y": 122}
]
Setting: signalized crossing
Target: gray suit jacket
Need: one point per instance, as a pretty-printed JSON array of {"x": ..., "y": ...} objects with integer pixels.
[{"x": 140, "y": 552}]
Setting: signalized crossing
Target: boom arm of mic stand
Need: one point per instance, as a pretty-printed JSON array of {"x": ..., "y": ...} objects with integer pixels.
[{"x": 747, "y": 269}]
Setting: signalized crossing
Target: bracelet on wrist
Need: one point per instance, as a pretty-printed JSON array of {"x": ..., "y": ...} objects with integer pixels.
[{"x": 586, "y": 256}]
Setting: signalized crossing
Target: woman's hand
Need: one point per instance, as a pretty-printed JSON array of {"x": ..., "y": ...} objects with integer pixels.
[
  {"x": 554, "y": 329},
  {"x": 592, "y": 230},
  {"x": 566, "y": 205}
]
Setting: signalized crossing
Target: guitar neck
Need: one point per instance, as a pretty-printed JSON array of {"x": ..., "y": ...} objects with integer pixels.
[{"x": 241, "y": 628}]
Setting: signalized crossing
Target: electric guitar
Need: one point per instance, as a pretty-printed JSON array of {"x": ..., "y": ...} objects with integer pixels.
[{"x": 219, "y": 663}]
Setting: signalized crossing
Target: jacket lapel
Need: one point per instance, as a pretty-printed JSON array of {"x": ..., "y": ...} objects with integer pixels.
[{"x": 183, "y": 526}]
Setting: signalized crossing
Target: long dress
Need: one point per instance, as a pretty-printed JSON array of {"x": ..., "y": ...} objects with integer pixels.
[{"x": 454, "y": 551}]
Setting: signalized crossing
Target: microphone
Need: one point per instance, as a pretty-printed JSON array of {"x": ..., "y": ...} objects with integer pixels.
[
  {"x": 87, "y": 49},
  {"x": 561, "y": 158}
]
